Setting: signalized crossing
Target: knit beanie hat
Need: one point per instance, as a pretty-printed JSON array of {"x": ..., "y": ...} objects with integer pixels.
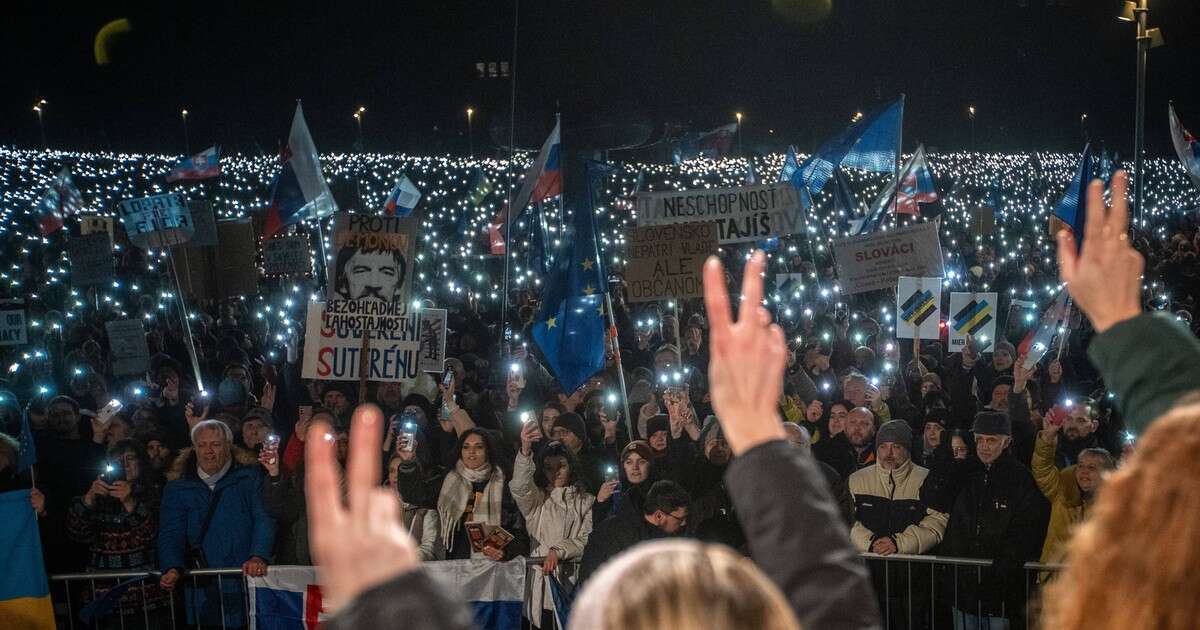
[
  {"x": 894, "y": 431},
  {"x": 573, "y": 423},
  {"x": 658, "y": 423},
  {"x": 1004, "y": 346},
  {"x": 641, "y": 393},
  {"x": 991, "y": 423},
  {"x": 640, "y": 447}
]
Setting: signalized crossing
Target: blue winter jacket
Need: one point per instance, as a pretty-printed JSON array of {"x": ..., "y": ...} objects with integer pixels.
[{"x": 240, "y": 529}]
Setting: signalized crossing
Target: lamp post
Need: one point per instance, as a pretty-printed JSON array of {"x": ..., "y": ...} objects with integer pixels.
[
  {"x": 1138, "y": 12},
  {"x": 358, "y": 118},
  {"x": 37, "y": 109},
  {"x": 471, "y": 131},
  {"x": 187, "y": 146},
  {"x": 971, "y": 116},
  {"x": 738, "y": 115}
]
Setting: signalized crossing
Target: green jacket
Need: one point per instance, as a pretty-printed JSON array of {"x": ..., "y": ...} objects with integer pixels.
[{"x": 1148, "y": 362}]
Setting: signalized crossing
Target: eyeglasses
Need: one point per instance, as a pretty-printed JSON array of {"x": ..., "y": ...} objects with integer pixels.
[{"x": 682, "y": 519}]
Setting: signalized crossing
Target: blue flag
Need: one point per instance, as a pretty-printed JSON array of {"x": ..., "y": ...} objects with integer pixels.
[
  {"x": 1070, "y": 208},
  {"x": 569, "y": 326},
  {"x": 27, "y": 455},
  {"x": 24, "y": 591},
  {"x": 868, "y": 145},
  {"x": 790, "y": 165}
]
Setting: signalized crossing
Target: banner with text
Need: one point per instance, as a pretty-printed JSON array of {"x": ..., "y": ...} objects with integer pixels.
[
  {"x": 750, "y": 213},
  {"x": 875, "y": 261},
  {"x": 664, "y": 261},
  {"x": 331, "y": 348},
  {"x": 129, "y": 353},
  {"x": 157, "y": 221},
  {"x": 373, "y": 258},
  {"x": 287, "y": 256},
  {"x": 972, "y": 314},
  {"x": 93, "y": 224},
  {"x": 12, "y": 328},
  {"x": 918, "y": 305}
]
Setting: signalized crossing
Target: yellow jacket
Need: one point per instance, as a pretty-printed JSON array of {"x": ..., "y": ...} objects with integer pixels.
[{"x": 1066, "y": 501}]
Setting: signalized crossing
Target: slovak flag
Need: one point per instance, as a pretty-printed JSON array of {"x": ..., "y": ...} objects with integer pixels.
[
  {"x": 543, "y": 180},
  {"x": 286, "y": 598},
  {"x": 403, "y": 199},
  {"x": 916, "y": 185},
  {"x": 203, "y": 165},
  {"x": 1187, "y": 147},
  {"x": 60, "y": 199},
  {"x": 299, "y": 191}
]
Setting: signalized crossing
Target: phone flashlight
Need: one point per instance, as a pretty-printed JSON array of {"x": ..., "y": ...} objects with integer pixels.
[{"x": 524, "y": 417}]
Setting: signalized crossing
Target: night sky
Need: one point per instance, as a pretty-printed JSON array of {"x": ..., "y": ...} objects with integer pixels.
[{"x": 616, "y": 70}]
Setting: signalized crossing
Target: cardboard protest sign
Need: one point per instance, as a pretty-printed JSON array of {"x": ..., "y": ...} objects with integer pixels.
[
  {"x": 918, "y": 306},
  {"x": 129, "y": 353},
  {"x": 237, "y": 273},
  {"x": 204, "y": 222},
  {"x": 665, "y": 261},
  {"x": 12, "y": 328},
  {"x": 875, "y": 261},
  {"x": 983, "y": 221},
  {"x": 749, "y": 213},
  {"x": 287, "y": 256},
  {"x": 93, "y": 224},
  {"x": 972, "y": 314},
  {"x": 91, "y": 259},
  {"x": 433, "y": 340},
  {"x": 331, "y": 352},
  {"x": 373, "y": 258},
  {"x": 157, "y": 221}
]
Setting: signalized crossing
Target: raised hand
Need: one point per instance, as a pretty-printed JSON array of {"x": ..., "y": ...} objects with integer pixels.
[
  {"x": 530, "y": 433},
  {"x": 746, "y": 359},
  {"x": 189, "y": 413},
  {"x": 362, "y": 543},
  {"x": 1104, "y": 277},
  {"x": 268, "y": 396}
]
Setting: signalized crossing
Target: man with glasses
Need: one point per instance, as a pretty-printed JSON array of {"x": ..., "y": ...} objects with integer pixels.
[{"x": 664, "y": 513}]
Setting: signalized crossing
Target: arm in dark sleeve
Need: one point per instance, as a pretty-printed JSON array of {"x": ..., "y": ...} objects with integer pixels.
[
  {"x": 412, "y": 596},
  {"x": 1149, "y": 362},
  {"x": 797, "y": 537}
]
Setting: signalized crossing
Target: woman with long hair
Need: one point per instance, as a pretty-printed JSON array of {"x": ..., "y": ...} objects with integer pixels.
[{"x": 624, "y": 495}]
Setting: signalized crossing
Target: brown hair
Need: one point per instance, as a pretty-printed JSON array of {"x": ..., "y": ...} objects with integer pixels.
[
  {"x": 1142, "y": 540},
  {"x": 681, "y": 584}
]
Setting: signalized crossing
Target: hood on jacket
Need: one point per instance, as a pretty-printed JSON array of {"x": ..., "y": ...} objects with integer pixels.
[{"x": 184, "y": 465}]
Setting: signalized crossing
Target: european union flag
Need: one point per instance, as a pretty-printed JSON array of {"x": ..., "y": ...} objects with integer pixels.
[
  {"x": 868, "y": 145},
  {"x": 1070, "y": 208},
  {"x": 27, "y": 453},
  {"x": 569, "y": 327}
]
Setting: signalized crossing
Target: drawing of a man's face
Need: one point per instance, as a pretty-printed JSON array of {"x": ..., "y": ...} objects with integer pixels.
[{"x": 377, "y": 275}]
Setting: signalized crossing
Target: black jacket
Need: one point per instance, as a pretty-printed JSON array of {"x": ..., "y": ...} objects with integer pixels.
[
  {"x": 999, "y": 515},
  {"x": 620, "y": 532},
  {"x": 413, "y": 597}
]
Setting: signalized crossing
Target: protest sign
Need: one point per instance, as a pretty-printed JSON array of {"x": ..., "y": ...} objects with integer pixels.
[
  {"x": 664, "y": 261},
  {"x": 129, "y": 353},
  {"x": 93, "y": 224},
  {"x": 91, "y": 259},
  {"x": 12, "y": 328},
  {"x": 286, "y": 256},
  {"x": 789, "y": 284},
  {"x": 433, "y": 340},
  {"x": 983, "y": 221},
  {"x": 971, "y": 314},
  {"x": 237, "y": 273},
  {"x": 918, "y": 305},
  {"x": 373, "y": 258},
  {"x": 157, "y": 221},
  {"x": 875, "y": 261},
  {"x": 331, "y": 351},
  {"x": 750, "y": 213},
  {"x": 204, "y": 224}
]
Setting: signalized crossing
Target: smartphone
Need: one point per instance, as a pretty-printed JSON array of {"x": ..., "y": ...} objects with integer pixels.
[
  {"x": 516, "y": 373},
  {"x": 304, "y": 413},
  {"x": 610, "y": 473},
  {"x": 112, "y": 471},
  {"x": 1057, "y": 415},
  {"x": 408, "y": 437},
  {"x": 271, "y": 444},
  {"x": 525, "y": 417},
  {"x": 106, "y": 414},
  {"x": 448, "y": 378}
]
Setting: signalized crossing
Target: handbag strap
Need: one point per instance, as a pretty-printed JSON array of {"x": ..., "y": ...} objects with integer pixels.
[{"x": 212, "y": 509}]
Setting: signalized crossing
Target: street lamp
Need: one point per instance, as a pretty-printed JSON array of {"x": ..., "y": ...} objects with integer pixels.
[
  {"x": 187, "y": 146},
  {"x": 738, "y": 115},
  {"x": 37, "y": 109},
  {"x": 971, "y": 116},
  {"x": 471, "y": 131},
  {"x": 856, "y": 117},
  {"x": 358, "y": 118},
  {"x": 1138, "y": 12}
]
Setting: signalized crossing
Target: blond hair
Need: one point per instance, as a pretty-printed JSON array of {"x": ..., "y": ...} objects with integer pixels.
[
  {"x": 681, "y": 584},
  {"x": 1135, "y": 561}
]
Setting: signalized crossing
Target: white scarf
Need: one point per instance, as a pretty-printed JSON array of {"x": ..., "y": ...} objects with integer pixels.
[{"x": 457, "y": 491}]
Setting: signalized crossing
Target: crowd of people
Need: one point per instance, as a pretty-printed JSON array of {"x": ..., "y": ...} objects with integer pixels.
[{"x": 923, "y": 450}]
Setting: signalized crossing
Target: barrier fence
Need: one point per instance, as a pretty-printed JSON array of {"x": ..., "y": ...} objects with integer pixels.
[{"x": 914, "y": 593}]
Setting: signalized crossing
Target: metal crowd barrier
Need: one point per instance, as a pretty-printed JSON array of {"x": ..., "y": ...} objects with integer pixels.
[{"x": 894, "y": 572}]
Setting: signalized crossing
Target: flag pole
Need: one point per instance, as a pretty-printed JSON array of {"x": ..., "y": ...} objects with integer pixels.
[
  {"x": 899, "y": 156},
  {"x": 512, "y": 133},
  {"x": 187, "y": 327}
]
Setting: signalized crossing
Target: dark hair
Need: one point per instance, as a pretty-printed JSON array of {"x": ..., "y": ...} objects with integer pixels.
[
  {"x": 341, "y": 286},
  {"x": 843, "y": 402},
  {"x": 489, "y": 444},
  {"x": 665, "y": 496},
  {"x": 555, "y": 449}
]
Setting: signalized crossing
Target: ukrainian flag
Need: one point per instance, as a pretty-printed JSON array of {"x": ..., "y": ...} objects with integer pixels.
[{"x": 24, "y": 591}]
